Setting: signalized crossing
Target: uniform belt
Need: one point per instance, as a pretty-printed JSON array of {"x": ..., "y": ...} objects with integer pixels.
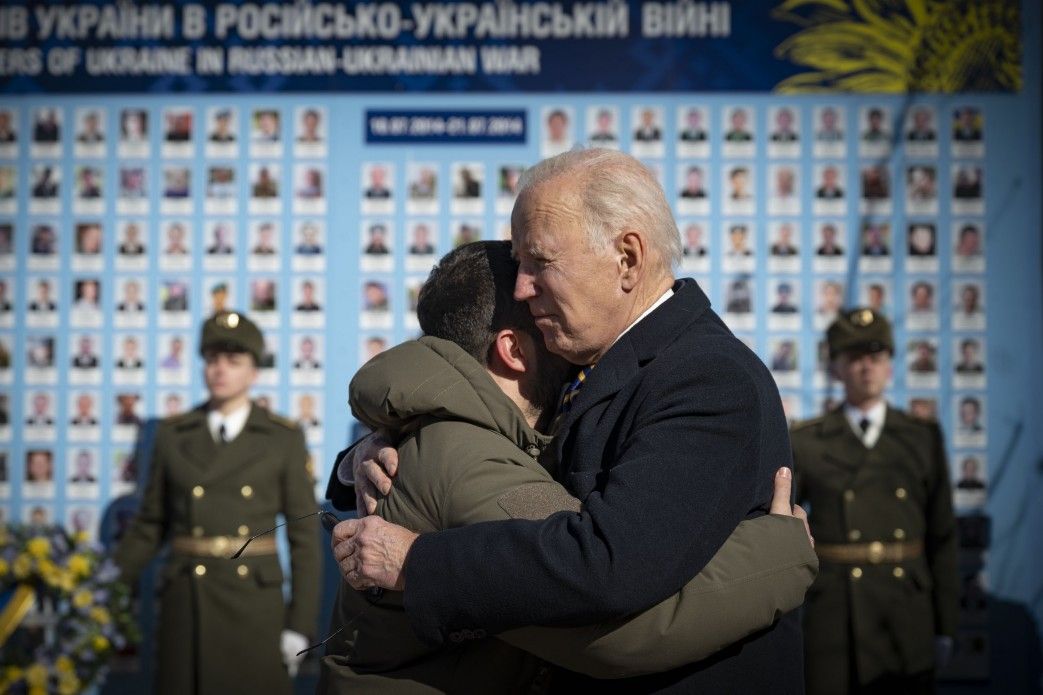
[
  {"x": 869, "y": 553},
  {"x": 222, "y": 546}
]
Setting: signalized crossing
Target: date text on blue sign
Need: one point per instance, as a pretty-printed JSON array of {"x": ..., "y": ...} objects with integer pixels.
[{"x": 446, "y": 127}]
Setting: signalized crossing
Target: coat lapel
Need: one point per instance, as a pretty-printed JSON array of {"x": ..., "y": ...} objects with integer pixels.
[
  {"x": 197, "y": 446},
  {"x": 250, "y": 445},
  {"x": 836, "y": 428},
  {"x": 636, "y": 348}
]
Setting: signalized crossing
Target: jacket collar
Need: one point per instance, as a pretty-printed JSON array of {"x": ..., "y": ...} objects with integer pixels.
[
  {"x": 835, "y": 422},
  {"x": 213, "y": 460}
]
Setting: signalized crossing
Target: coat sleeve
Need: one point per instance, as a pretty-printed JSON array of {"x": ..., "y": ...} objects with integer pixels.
[
  {"x": 299, "y": 499},
  {"x": 940, "y": 542},
  {"x": 340, "y": 495},
  {"x": 685, "y": 476},
  {"x": 761, "y": 572},
  {"x": 148, "y": 530}
]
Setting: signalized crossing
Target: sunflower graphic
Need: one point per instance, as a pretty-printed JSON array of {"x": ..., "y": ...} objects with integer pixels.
[{"x": 898, "y": 46}]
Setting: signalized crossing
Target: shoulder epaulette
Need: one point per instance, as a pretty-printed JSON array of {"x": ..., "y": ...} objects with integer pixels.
[
  {"x": 911, "y": 419},
  {"x": 188, "y": 417},
  {"x": 280, "y": 420},
  {"x": 804, "y": 424}
]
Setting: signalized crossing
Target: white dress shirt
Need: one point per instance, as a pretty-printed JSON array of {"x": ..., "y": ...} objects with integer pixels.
[
  {"x": 874, "y": 415},
  {"x": 233, "y": 422},
  {"x": 662, "y": 298}
]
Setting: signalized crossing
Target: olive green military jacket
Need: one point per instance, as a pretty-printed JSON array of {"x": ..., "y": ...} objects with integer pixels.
[
  {"x": 220, "y": 619},
  {"x": 885, "y": 615},
  {"x": 470, "y": 457}
]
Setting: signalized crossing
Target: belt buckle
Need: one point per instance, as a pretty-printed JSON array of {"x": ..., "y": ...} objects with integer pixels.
[
  {"x": 219, "y": 546},
  {"x": 876, "y": 552}
]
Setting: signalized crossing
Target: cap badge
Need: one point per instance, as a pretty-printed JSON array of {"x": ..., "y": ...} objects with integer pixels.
[
  {"x": 229, "y": 320},
  {"x": 862, "y": 318}
]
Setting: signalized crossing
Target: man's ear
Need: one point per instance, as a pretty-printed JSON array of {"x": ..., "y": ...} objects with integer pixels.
[
  {"x": 508, "y": 354},
  {"x": 631, "y": 250}
]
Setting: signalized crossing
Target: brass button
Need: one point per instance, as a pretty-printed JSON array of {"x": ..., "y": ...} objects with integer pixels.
[
  {"x": 247, "y": 491},
  {"x": 197, "y": 531},
  {"x": 849, "y": 495},
  {"x": 242, "y": 571},
  {"x": 854, "y": 534},
  {"x": 200, "y": 570},
  {"x": 898, "y": 572},
  {"x": 856, "y": 573},
  {"x": 900, "y": 493},
  {"x": 899, "y": 534},
  {"x": 244, "y": 530},
  {"x": 197, "y": 491},
  {"x": 876, "y": 552}
]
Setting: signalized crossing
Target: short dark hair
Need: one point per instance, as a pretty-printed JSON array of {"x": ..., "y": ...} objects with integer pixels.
[{"x": 469, "y": 296}]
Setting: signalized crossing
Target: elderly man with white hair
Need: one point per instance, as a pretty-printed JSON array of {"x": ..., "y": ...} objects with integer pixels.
[{"x": 669, "y": 435}]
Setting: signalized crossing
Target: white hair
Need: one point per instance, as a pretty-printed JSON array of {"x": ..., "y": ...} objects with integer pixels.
[{"x": 618, "y": 192}]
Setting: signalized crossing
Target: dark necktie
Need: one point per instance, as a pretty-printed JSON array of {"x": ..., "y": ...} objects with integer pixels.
[
  {"x": 222, "y": 433},
  {"x": 864, "y": 424},
  {"x": 573, "y": 390}
]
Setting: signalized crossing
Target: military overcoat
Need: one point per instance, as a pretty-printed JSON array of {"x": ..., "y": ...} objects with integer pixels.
[
  {"x": 221, "y": 619},
  {"x": 864, "y": 620}
]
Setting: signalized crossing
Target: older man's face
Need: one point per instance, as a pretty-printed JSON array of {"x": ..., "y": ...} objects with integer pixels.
[{"x": 572, "y": 292}]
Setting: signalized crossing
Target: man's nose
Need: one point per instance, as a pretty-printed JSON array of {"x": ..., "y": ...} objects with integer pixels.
[{"x": 524, "y": 287}]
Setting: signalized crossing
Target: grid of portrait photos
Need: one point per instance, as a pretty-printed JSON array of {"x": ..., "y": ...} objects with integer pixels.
[
  {"x": 438, "y": 206},
  {"x": 123, "y": 228}
]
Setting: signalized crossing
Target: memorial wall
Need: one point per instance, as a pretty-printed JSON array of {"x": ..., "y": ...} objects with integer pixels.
[{"x": 308, "y": 163}]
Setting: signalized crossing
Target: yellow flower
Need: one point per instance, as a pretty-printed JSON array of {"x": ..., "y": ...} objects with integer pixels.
[
  {"x": 67, "y": 581},
  {"x": 64, "y": 665},
  {"x": 82, "y": 598},
  {"x": 902, "y": 46},
  {"x": 13, "y": 673},
  {"x": 80, "y": 538},
  {"x": 38, "y": 690},
  {"x": 79, "y": 565},
  {"x": 3, "y": 567},
  {"x": 100, "y": 643},
  {"x": 38, "y": 547},
  {"x": 68, "y": 684},
  {"x": 23, "y": 564},
  {"x": 100, "y": 615},
  {"x": 36, "y": 676}
]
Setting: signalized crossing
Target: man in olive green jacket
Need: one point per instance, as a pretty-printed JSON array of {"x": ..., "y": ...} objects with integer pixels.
[
  {"x": 471, "y": 454},
  {"x": 219, "y": 474}
]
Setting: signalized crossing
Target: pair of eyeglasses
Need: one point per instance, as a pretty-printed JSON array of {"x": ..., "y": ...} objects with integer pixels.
[{"x": 328, "y": 520}]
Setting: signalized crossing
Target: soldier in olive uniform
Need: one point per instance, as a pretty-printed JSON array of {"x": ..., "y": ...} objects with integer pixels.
[
  {"x": 882, "y": 613},
  {"x": 220, "y": 473}
]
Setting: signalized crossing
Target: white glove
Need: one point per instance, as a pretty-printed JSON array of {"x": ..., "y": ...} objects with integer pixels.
[
  {"x": 290, "y": 643},
  {"x": 942, "y": 651}
]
